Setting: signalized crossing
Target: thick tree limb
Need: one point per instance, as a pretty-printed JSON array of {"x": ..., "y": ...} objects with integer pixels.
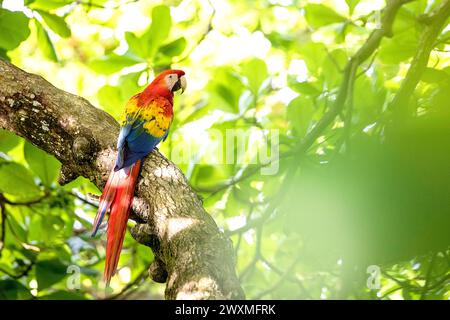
[{"x": 192, "y": 255}]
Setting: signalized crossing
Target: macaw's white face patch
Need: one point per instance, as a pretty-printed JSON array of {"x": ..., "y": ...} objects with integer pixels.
[
  {"x": 174, "y": 83},
  {"x": 171, "y": 80}
]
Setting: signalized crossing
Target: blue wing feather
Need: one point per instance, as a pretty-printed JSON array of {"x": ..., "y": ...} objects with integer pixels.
[
  {"x": 121, "y": 142},
  {"x": 134, "y": 143}
]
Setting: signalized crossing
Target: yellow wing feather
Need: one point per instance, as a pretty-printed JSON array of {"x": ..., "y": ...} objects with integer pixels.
[{"x": 156, "y": 122}]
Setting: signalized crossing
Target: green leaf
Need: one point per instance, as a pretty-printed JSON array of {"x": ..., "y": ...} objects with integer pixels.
[
  {"x": 406, "y": 22},
  {"x": 351, "y": 5},
  {"x": 44, "y": 42},
  {"x": 113, "y": 98},
  {"x": 227, "y": 95},
  {"x": 110, "y": 100},
  {"x": 318, "y": 15},
  {"x": 4, "y": 55},
  {"x": 135, "y": 44},
  {"x": 8, "y": 140},
  {"x": 49, "y": 4},
  {"x": 56, "y": 23},
  {"x": 13, "y": 290},
  {"x": 432, "y": 75},
  {"x": 17, "y": 229},
  {"x": 49, "y": 272},
  {"x": 174, "y": 48},
  {"x": 45, "y": 229},
  {"x": 444, "y": 37},
  {"x": 113, "y": 63},
  {"x": 64, "y": 295},
  {"x": 300, "y": 112},
  {"x": 233, "y": 206},
  {"x": 332, "y": 67},
  {"x": 15, "y": 179},
  {"x": 368, "y": 99},
  {"x": 225, "y": 89},
  {"x": 305, "y": 87},
  {"x": 255, "y": 70},
  {"x": 14, "y": 29},
  {"x": 399, "y": 48},
  {"x": 128, "y": 85},
  {"x": 158, "y": 31},
  {"x": 313, "y": 53},
  {"x": 341, "y": 32},
  {"x": 42, "y": 164}
]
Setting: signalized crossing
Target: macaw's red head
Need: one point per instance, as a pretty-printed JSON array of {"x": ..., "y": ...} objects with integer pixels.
[{"x": 166, "y": 83}]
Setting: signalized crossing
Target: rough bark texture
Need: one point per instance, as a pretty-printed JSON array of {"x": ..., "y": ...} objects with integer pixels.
[{"x": 192, "y": 255}]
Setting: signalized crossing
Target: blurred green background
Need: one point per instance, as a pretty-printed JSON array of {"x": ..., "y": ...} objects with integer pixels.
[{"x": 368, "y": 193}]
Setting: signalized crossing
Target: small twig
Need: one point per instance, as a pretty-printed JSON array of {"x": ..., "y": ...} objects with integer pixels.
[
  {"x": 388, "y": 293},
  {"x": 399, "y": 282},
  {"x": 428, "y": 277},
  {"x": 256, "y": 257},
  {"x": 249, "y": 225},
  {"x": 95, "y": 5},
  {"x": 127, "y": 289},
  {"x": 243, "y": 176},
  {"x": 368, "y": 66},
  {"x": 203, "y": 36},
  {"x": 20, "y": 275},
  {"x": 282, "y": 191},
  {"x": 275, "y": 201},
  {"x": 23, "y": 203},
  {"x": 283, "y": 278},
  {"x": 291, "y": 277},
  {"x": 349, "y": 114},
  {"x": 239, "y": 241},
  {"x": 407, "y": 285},
  {"x": 84, "y": 200},
  {"x": 333, "y": 60},
  {"x": 3, "y": 218}
]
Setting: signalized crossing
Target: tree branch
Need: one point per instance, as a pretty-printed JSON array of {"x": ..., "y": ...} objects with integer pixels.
[
  {"x": 434, "y": 22},
  {"x": 209, "y": 28},
  {"x": 3, "y": 225},
  {"x": 197, "y": 259},
  {"x": 428, "y": 277},
  {"x": 128, "y": 288},
  {"x": 4, "y": 200},
  {"x": 369, "y": 47},
  {"x": 280, "y": 281}
]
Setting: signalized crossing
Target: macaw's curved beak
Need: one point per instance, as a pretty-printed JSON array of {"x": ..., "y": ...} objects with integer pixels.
[{"x": 180, "y": 84}]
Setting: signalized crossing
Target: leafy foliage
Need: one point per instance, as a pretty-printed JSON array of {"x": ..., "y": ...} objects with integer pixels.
[
  {"x": 14, "y": 26},
  {"x": 369, "y": 191}
]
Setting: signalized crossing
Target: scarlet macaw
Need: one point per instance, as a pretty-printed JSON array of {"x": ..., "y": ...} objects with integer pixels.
[{"x": 146, "y": 121}]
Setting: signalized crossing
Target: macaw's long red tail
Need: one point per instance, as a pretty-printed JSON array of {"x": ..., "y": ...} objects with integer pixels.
[{"x": 117, "y": 198}]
